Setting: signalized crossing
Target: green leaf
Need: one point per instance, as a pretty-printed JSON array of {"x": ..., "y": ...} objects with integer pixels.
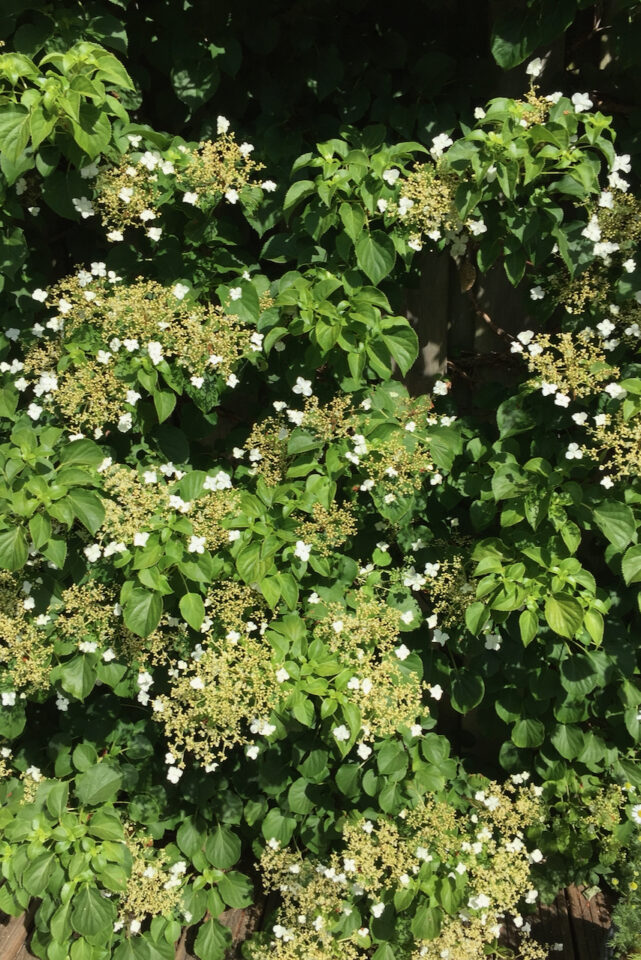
[
  {"x": 528, "y": 625},
  {"x": 593, "y": 623},
  {"x": 212, "y": 940},
  {"x": 192, "y": 609},
  {"x": 402, "y": 343},
  {"x": 40, "y": 529},
  {"x": 88, "y": 508},
  {"x": 164, "y": 402},
  {"x": 353, "y": 218},
  {"x": 13, "y": 549},
  {"x": 631, "y": 565},
  {"x": 298, "y": 797},
  {"x": 298, "y": 190},
  {"x": 14, "y": 130},
  {"x": 278, "y": 827},
  {"x": 235, "y": 889},
  {"x": 99, "y": 784},
  {"x": 568, "y": 740},
  {"x": 57, "y": 799},
  {"x": 92, "y": 130},
  {"x": 616, "y": 522},
  {"x": 375, "y": 255},
  {"x": 564, "y": 614},
  {"x": 190, "y": 838},
  {"x": 92, "y": 915},
  {"x": 528, "y": 733},
  {"x": 223, "y": 848},
  {"x": 78, "y": 676},
  {"x": 142, "y": 611},
  {"x": 511, "y": 418},
  {"x": 82, "y": 452},
  {"x": 467, "y": 691},
  {"x": 426, "y": 924},
  {"x": 37, "y": 873}
]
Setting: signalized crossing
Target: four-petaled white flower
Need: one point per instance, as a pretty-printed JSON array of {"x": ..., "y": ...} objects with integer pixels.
[
  {"x": 302, "y": 551},
  {"x": 581, "y": 102},
  {"x": 180, "y": 291},
  {"x": 341, "y": 733},
  {"x": 196, "y": 545},
  {"x": 303, "y": 387}
]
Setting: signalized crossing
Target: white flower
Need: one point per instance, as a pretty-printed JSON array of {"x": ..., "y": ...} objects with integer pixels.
[
  {"x": 440, "y": 145},
  {"x": 364, "y": 751},
  {"x": 174, "y": 774},
  {"x": 34, "y": 773},
  {"x": 302, "y": 551},
  {"x": 235, "y": 293},
  {"x": 115, "y": 236},
  {"x": 548, "y": 388},
  {"x": 607, "y": 482},
  {"x": 635, "y": 813},
  {"x": 531, "y": 896},
  {"x": 493, "y": 641},
  {"x": 579, "y": 418},
  {"x": 605, "y": 327},
  {"x": 622, "y": 163},
  {"x": 440, "y": 388},
  {"x": 92, "y": 552},
  {"x": 382, "y": 205},
  {"x": 232, "y": 380},
  {"x": 561, "y": 400},
  {"x": 574, "y": 452},
  {"x": 402, "y": 652},
  {"x": 303, "y": 387},
  {"x": 62, "y": 703},
  {"x": 404, "y": 206},
  {"x": 630, "y": 266},
  {"x": 377, "y": 909},
  {"x": 252, "y": 751},
  {"x": 415, "y": 245},
  {"x": 282, "y": 675},
  {"x": 190, "y": 198},
  {"x": 537, "y": 293},
  {"x": 481, "y": 901},
  {"x": 534, "y": 67},
  {"x": 196, "y": 545},
  {"x": 477, "y": 227},
  {"x": 479, "y": 113},
  {"x": 220, "y": 481},
  {"x": 439, "y": 636},
  {"x": 581, "y": 102},
  {"x": 436, "y": 691},
  {"x": 34, "y": 411},
  {"x": 536, "y": 856},
  {"x": 109, "y": 655},
  {"x": 231, "y": 196},
  {"x": 180, "y": 290},
  {"x": 8, "y": 698},
  {"x": 615, "y": 391},
  {"x": 407, "y": 617},
  {"x": 341, "y": 733},
  {"x": 125, "y": 422},
  {"x": 592, "y": 231},
  {"x": 39, "y": 295},
  {"x": 83, "y": 206},
  {"x": 246, "y": 148},
  {"x": 154, "y": 349},
  {"x": 268, "y": 186},
  {"x": 222, "y": 125},
  {"x": 154, "y": 233},
  {"x": 87, "y": 646}
]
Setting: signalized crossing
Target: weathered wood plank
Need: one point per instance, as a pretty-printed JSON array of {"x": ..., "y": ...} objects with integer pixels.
[
  {"x": 590, "y": 923},
  {"x": 13, "y": 934}
]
